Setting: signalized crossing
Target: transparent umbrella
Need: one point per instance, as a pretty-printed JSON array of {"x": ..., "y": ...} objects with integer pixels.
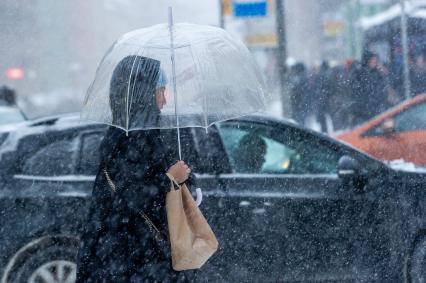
[{"x": 174, "y": 76}]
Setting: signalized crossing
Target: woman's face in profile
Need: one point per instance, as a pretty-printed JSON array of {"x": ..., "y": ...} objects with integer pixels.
[{"x": 160, "y": 98}]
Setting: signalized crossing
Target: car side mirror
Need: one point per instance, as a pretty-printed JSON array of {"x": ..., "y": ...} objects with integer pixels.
[
  {"x": 348, "y": 167},
  {"x": 388, "y": 127},
  {"x": 349, "y": 171}
]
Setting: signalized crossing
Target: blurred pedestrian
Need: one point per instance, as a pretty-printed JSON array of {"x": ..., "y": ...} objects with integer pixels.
[
  {"x": 7, "y": 96},
  {"x": 340, "y": 102},
  {"x": 418, "y": 74},
  {"x": 369, "y": 86},
  {"x": 299, "y": 92},
  {"x": 250, "y": 154},
  {"x": 323, "y": 88}
]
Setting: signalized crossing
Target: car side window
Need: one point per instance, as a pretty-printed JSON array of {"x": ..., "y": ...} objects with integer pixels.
[
  {"x": 375, "y": 131},
  {"x": 89, "y": 157},
  {"x": 262, "y": 149},
  {"x": 211, "y": 152},
  {"x": 54, "y": 159},
  {"x": 412, "y": 119},
  {"x": 170, "y": 141}
]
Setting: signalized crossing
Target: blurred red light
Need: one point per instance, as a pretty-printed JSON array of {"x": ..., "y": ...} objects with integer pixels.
[{"x": 15, "y": 73}]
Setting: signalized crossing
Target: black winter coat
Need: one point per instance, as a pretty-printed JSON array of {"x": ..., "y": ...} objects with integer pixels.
[
  {"x": 299, "y": 96},
  {"x": 369, "y": 90},
  {"x": 117, "y": 245},
  {"x": 418, "y": 82}
]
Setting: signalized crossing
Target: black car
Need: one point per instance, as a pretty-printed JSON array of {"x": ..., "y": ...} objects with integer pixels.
[{"x": 291, "y": 206}]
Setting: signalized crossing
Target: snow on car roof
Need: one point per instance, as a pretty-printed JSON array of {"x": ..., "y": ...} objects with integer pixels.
[
  {"x": 402, "y": 165},
  {"x": 16, "y": 132}
]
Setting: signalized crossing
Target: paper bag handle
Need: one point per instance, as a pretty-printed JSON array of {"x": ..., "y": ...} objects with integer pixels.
[{"x": 173, "y": 181}]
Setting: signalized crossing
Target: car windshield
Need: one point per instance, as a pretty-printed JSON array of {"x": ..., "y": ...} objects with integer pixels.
[{"x": 9, "y": 115}]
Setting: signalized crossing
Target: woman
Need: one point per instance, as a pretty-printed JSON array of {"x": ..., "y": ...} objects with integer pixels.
[{"x": 118, "y": 244}]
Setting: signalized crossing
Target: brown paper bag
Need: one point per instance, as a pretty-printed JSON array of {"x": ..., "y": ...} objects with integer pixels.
[{"x": 192, "y": 240}]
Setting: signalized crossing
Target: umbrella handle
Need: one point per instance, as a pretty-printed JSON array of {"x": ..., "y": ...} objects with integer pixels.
[{"x": 199, "y": 196}]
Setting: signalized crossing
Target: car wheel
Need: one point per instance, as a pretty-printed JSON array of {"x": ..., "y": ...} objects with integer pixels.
[
  {"x": 417, "y": 267},
  {"x": 51, "y": 263},
  {"x": 60, "y": 271}
]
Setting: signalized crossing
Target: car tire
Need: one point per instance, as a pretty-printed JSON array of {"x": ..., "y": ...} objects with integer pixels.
[
  {"x": 54, "y": 261},
  {"x": 417, "y": 264}
]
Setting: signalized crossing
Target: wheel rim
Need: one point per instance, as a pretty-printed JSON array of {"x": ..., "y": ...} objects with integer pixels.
[{"x": 58, "y": 271}]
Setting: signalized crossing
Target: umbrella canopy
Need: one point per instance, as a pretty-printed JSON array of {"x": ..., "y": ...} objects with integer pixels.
[{"x": 165, "y": 76}]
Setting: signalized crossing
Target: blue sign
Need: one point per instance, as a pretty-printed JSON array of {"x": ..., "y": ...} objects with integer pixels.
[{"x": 249, "y": 8}]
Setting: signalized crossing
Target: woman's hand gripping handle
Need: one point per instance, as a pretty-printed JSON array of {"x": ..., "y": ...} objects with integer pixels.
[{"x": 180, "y": 171}]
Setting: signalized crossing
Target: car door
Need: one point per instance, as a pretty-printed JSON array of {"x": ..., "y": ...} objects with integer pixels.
[
  {"x": 410, "y": 125},
  {"x": 405, "y": 138},
  {"x": 28, "y": 206},
  {"x": 203, "y": 150},
  {"x": 294, "y": 218},
  {"x": 48, "y": 186},
  {"x": 384, "y": 146},
  {"x": 55, "y": 180}
]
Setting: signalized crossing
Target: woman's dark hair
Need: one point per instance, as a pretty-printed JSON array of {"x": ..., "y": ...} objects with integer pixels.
[{"x": 132, "y": 92}]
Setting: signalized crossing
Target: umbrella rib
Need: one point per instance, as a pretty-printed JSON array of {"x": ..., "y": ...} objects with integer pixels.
[
  {"x": 129, "y": 107},
  {"x": 205, "y": 111},
  {"x": 174, "y": 78},
  {"x": 127, "y": 97}
]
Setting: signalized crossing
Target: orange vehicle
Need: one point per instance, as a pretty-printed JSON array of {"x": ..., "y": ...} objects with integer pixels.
[{"x": 399, "y": 133}]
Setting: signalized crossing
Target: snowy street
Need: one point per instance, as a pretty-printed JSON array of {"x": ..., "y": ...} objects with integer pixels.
[{"x": 219, "y": 141}]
